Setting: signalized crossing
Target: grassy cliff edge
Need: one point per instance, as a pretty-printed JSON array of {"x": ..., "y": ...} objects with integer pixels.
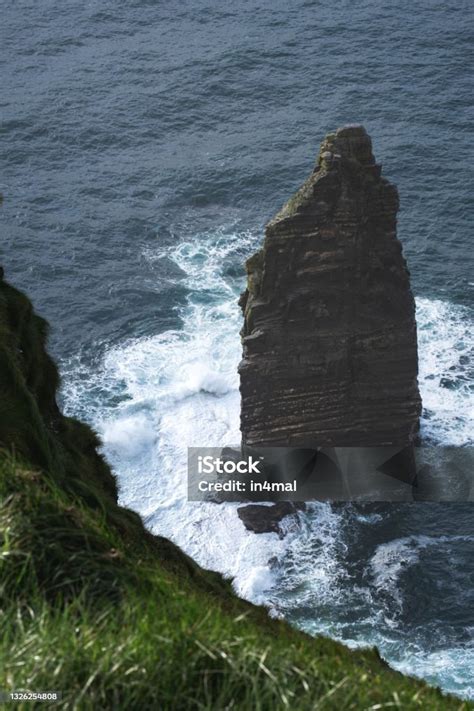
[{"x": 96, "y": 607}]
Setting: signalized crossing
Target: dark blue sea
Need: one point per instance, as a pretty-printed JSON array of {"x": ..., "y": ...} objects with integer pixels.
[{"x": 145, "y": 144}]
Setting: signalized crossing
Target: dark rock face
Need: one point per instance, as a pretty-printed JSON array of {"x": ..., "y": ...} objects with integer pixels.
[
  {"x": 266, "y": 519},
  {"x": 329, "y": 339}
]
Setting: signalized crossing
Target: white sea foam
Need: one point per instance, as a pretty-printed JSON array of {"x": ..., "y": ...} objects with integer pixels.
[
  {"x": 446, "y": 363},
  {"x": 257, "y": 584},
  {"x": 129, "y": 436},
  {"x": 181, "y": 390},
  {"x": 392, "y": 558},
  {"x": 450, "y": 667}
]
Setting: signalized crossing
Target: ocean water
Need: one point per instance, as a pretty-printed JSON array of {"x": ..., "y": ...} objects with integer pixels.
[{"x": 145, "y": 146}]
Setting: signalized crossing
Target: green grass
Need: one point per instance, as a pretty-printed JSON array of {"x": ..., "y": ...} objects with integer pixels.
[
  {"x": 118, "y": 622},
  {"x": 93, "y": 605}
]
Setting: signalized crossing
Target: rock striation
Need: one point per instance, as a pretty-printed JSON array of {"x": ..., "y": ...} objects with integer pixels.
[{"x": 329, "y": 338}]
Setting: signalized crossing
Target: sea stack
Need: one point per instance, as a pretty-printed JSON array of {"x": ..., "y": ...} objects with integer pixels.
[{"x": 329, "y": 338}]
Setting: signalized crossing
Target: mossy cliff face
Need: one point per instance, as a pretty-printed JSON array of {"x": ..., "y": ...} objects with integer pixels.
[
  {"x": 329, "y": 338},
  {"x": 30, "y": 421}
]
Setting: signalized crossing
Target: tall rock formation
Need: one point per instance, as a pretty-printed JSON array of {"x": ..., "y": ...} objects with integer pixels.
[{"x": 329, "y": 339}]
